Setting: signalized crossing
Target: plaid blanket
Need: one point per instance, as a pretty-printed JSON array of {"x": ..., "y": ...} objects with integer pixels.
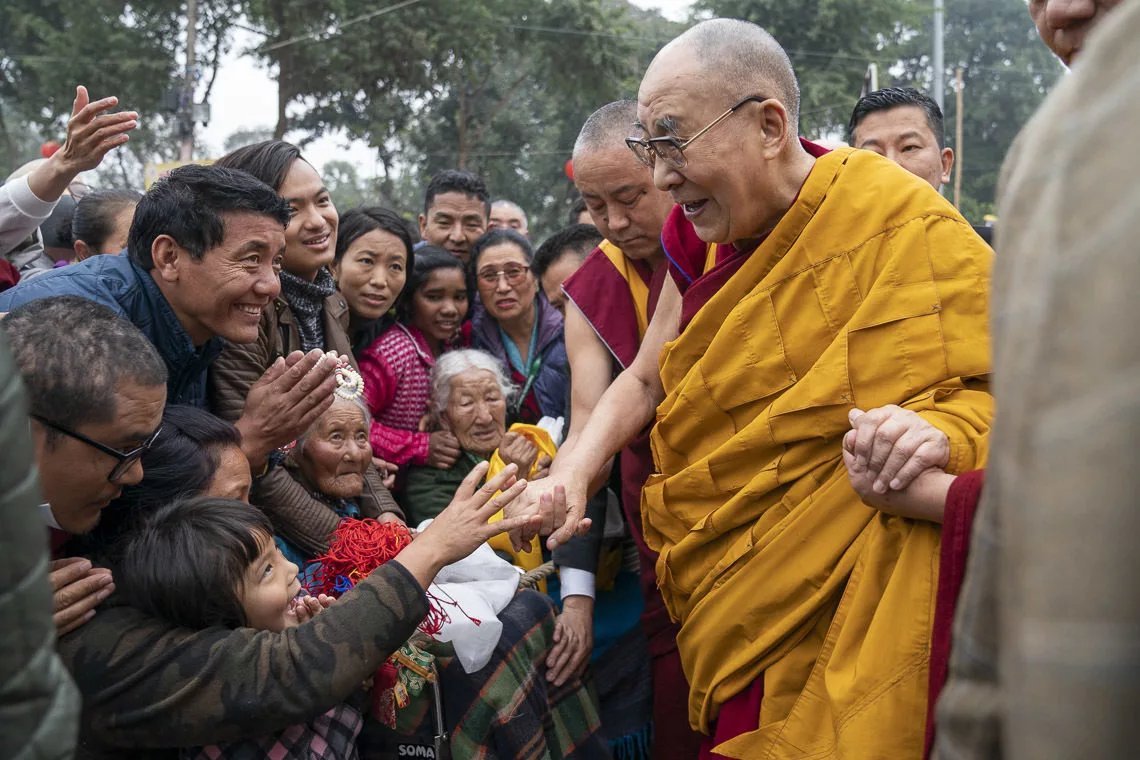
[
  {"x": 507, "y": 710},
  {"x": 331, "y": 736}
]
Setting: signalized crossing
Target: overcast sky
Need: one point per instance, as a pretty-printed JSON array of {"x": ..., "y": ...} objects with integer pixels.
[{"x": 244, "y": 97}]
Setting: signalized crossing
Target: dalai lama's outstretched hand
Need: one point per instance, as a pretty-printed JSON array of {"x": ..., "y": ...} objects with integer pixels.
[{"x": 561, "y": 500}]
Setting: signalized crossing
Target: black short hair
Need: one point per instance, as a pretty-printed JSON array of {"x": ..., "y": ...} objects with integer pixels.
[
  {"x": 576, "y": 209},
  {"x": 188, "y": 561},
  {"x": 456, "y": 181},
  {"x": 73, "y": 354},
  {"x": 95, "y": 214},
  {"x": 429, "y": 258},
  {"x": 180, "y": 463},
  {"x": 578, "y": 239},
  {"x": 188, "y": 205},
  {"x": 498, "y": 236},
  {"x": 269, "y": 160},
  {"x": 357, "y": 222},
  {"x": 897, "y": 97}
]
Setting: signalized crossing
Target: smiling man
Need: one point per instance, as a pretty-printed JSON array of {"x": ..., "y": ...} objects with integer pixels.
[
  {"x": 457, "y": 207},
  {"x": 803, "y": 283},
  {"x": 201, "y": 264}
]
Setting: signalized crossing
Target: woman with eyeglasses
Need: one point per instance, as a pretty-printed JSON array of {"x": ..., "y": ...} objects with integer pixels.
[{"x": 518, "y": 325}]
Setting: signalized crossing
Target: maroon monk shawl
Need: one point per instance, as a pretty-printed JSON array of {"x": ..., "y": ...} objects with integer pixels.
[{"x": 957, "y": 522}]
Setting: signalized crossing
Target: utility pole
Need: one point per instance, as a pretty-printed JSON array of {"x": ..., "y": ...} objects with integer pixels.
[
  {"x": 186, "y": 111},
  {"x": 938, "y": 59},
  {"x": 959, "y": 85}
]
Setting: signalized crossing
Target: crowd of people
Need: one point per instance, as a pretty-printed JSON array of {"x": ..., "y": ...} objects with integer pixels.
[{"x": 728, "y": 438}]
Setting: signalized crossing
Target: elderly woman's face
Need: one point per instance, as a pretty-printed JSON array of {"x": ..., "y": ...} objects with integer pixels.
[
  {"x": 506, "y": 284},
  {"x": 336, "y": 451},
  {"x": 476, "y": 411}
]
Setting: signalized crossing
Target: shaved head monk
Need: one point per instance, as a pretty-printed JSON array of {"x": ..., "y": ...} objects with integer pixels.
[
  {"x": 611, "y": 299},
  {"x": 804, "y": 284}
]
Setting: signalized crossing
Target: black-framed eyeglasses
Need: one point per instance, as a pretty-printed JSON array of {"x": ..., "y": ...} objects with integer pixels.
[
  {"x": 125, "y": 458},
  {"x": 672, "y": 150},
  {"x": 513, "y": 272}
]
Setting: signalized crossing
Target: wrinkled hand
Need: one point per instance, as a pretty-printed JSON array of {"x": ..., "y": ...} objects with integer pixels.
[
  {"x": 542, "y": 467},
  {"x": 518, "y": 450},
  {"x": 92, "y": 133},
  {"x": 309, "y": 607},
  {"x": 387, "y": 472},
  {"x": 77, "y": 589},
  {"x": 390, "y": 517},
  {"x": 561, "y": 502},
  {"x": 924, "y": 498},
  {"x": 462, "y": 527},
  {"x": 443, "y": 450},
  {"x": 285, "y": 401},
  {"x": 573, "y": 640},
  {"x": 895, "y": 445}
]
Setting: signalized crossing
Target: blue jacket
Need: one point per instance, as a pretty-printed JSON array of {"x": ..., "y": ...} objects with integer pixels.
[
  {"x": 552, "y": 385},
  {"x": 117, "y": 283}
]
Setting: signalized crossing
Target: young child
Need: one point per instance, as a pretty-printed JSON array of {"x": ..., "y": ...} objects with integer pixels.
[{"x": 229, "y": 572}]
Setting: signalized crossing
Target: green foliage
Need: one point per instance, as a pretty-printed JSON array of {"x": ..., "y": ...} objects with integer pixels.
[
  {"x": 830, "y": 43},
  {"x": 130, "y": 50},
  {"x": 1007, "y": 72},
  {"x": 497, "y": 87}
]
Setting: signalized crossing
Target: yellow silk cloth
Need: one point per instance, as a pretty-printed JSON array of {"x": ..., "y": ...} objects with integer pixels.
[
  {"x": 638, "y": 289},
  {"x": 501, "y": 543},
  {"x": 871, "y": 290}
]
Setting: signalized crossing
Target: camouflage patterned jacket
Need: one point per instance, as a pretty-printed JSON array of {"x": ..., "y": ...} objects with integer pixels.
[{"x": 152, "y": 687}]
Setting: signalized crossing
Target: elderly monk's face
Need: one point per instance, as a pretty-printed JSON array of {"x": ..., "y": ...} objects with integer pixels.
[
  {"x": 1064, "y": 24},
  {"x": 622, "y": 201},
  {"x": 721, "y": 187},
  {"x": 337, "y": 452},
  {"x": 476, "y": 411}
]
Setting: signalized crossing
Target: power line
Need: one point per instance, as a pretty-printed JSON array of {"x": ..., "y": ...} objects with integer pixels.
[{"x": 339, "y": 30}]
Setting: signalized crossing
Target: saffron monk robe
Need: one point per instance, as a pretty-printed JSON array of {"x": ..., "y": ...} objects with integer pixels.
[{"x": 805, "y": 615}]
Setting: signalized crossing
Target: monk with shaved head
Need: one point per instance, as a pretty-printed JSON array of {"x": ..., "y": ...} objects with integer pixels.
[
  {"x": 805, "y": 285},
  {"x": 610, "y": 300}
]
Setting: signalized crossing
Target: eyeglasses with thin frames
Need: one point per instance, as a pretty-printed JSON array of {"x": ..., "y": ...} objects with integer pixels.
[
  {"x": 514, "y": 274},
  {"x": 126, "y": 459},
  {"x": 672, "y": 150}
]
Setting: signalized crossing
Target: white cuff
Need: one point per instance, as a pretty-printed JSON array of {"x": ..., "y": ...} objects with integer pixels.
[
  {"x": 575, "y": 582},
  {"x": 27, "y": 202}
]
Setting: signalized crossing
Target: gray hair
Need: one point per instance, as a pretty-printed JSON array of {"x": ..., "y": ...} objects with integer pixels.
[
  {"x": 511, "y": 204},
  {"x": 607, "y": 127},
  {"x": 454, "y": 363},
  {"x": 299, "y": 448},
  {"x": 743, "y": 59},
  {"x": 73, "y": 355}
]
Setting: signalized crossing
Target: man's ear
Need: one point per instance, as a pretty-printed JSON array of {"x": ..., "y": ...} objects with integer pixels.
[
  {"x": 947, "y": 164},
  {"x": 167, "y": 255},
  {"x": 773, "y": 127},
  {"x": 82, "y": 250},
  {"x": 423, "y": 225}
]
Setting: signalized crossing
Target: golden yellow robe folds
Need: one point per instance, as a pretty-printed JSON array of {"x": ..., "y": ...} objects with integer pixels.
[{"x": 871, "y": 290}]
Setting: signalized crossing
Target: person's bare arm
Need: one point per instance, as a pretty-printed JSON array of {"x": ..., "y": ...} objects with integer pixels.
[
  {"x": 622, "y": 412},
  {"x": 591, "y": 371}
]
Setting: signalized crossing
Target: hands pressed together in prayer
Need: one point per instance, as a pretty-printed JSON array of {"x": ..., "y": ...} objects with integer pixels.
[
  {"x": 896, "y": 462},
  {"x": 284, "y": 403}
]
